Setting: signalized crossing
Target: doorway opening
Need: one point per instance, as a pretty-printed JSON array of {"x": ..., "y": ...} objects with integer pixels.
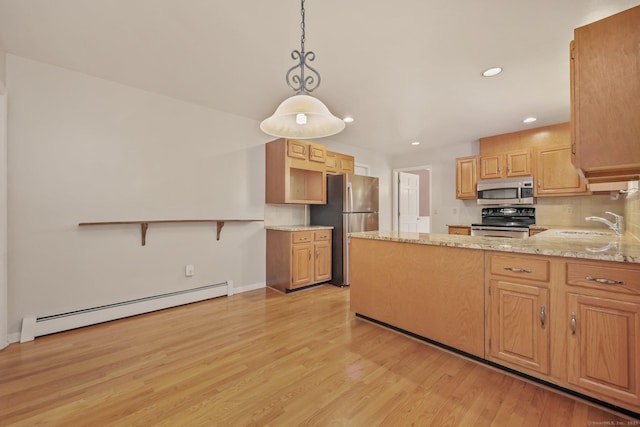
[{"x": 412, "y": 199}]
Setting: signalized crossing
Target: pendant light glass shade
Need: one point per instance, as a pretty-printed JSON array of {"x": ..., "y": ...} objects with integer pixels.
[{"x": 302, "y": 116}]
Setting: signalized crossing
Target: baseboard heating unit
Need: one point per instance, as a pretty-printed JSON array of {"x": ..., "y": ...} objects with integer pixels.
[{"x": 38, "y": 326}]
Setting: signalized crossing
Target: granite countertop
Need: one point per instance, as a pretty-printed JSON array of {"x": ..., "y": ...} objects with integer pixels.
[
  {"x": 298, "y": 227},
  {"x": 603, "y": 247}
]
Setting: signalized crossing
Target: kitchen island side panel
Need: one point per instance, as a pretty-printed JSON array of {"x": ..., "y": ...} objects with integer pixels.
[{"x": 434, "y": 292}]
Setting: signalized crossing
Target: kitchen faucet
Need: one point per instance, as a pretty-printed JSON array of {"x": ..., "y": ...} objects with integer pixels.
[{"x": 617, "y": 226}]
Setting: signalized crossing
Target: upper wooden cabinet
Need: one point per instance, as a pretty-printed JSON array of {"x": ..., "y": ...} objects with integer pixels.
[
  {"x": 467, "y": 177},
  {"x": 505, "y": 165},
  {"x": 338, "y": 163},
  {"x": 555, "y": 175},
  {"x": 605, "y": 97},
  {"x": 295, "y": 172}
]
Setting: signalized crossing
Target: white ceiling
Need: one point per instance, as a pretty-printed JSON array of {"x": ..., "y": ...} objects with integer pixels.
[{"x": 405, "y": 69}]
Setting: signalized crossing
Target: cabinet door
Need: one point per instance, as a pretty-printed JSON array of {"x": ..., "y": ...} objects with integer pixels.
[
  {"x": 463, "y": 231},
  {"x": 466, "y": 178},
  {"x": 604, "y": 352},
  {"x": 491, "y": 166},
  {"x": 347, "y": 164},
  {"x": 555, "y": 174},
  {"x": 331, "y": 162},
  {"x": 606, "y": 79},
  {"x": 301, "y": 264},
  {"x": 322, "y": 261},
  {"x": 297, "y": 149},
  {"x": 519, "y": 317},
  {"x": 518, "y": 163},
  {"x": 317, "y": 153}
]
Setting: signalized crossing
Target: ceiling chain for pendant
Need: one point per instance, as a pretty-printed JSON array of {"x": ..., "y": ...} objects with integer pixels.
[{"x": 300, "y": 82}]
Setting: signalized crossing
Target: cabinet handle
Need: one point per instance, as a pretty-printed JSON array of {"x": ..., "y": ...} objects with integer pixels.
[
  {"x": 573, "y": 323},
  {"x": 542, "y": 314},
  {"x": 309, "y": 250},
  {"x": 604, "y": 281},
  {"x": 517, "y": 270},
  {"x": 317, "y": 253}
]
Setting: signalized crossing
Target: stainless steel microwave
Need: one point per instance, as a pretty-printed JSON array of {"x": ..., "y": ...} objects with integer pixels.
[{"x": 513, "y": 191}]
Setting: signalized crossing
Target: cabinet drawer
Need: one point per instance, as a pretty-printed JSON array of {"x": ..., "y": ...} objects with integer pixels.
[
  {"x": 302, "y": 237},
  {"x": 520, "y": 267},
  {"x": 322, "y": 235},
  {"x": 614, "y": 278}
]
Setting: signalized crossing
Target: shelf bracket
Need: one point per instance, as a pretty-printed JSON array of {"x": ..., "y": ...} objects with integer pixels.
[
  {"x": 219, "y": 226},
  {"x": 143, "y": 232}
]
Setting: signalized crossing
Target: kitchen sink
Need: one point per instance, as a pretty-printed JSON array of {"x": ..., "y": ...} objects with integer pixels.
[{"x": 577, "y": 233}]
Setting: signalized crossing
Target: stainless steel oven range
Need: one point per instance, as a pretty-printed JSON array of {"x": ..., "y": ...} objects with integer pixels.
[{"x": 505, "y": 221}]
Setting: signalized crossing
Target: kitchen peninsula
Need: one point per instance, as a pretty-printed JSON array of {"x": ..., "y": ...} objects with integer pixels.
[{"x": 563, "y": 307}]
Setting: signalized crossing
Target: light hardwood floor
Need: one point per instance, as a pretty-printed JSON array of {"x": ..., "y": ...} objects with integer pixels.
[{"x": 265, "y": 358}]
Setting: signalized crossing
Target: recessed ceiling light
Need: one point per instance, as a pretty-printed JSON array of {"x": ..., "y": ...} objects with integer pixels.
[
  {"x": 529, "y": 120},
  {"x": 494, "y": 71},
  {"x": 415, "y": 143},
  {"x": 348, "y": 119}
]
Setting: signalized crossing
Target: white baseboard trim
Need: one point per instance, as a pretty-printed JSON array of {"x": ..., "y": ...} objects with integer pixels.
[
  {"x": 37, "y": 326},
  {"x": 250, "y": 287}
]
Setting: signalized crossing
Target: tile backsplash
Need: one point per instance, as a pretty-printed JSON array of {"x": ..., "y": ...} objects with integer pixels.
[
  {"x": 632, "y": 211},
  {"x": 571, "y": 211}
]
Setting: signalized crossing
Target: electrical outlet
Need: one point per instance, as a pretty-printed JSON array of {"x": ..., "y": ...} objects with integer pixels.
[
  {"x": 189, "y": 270},
  {"x": 570, "y": 210}
]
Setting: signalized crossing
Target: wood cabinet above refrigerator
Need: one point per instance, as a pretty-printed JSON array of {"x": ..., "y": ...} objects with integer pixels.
[{"x": 295, "y": 172}]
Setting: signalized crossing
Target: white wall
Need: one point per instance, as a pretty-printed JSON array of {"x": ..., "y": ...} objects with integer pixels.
[
  {"x": 3, "y": 71},
  {"x": 445, "y": 208},
  {"x": 85, "y": 149},
  {"x": 3, "y": 205}
]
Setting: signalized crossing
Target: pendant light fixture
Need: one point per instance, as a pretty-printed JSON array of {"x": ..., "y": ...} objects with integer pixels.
[{"x": 302, "y": 115}]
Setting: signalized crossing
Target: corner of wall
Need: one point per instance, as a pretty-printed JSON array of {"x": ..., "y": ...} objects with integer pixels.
[{"x": 3, "y": 70}]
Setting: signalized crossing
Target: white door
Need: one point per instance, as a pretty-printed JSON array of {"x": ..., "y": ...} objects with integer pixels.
[
  {"x": 408, "y": 201},
  {"x": 3, "y": 219}
]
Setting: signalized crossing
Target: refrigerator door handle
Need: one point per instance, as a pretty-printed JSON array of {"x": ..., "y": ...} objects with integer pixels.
[
  {"x": 349, "y": 197},
  {"x": 346, "y": 279}
]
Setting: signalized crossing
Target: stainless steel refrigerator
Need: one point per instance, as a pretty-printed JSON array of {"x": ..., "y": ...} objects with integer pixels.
[{"x": 352, "y": 206}]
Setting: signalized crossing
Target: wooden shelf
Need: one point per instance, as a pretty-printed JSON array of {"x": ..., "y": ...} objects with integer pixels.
[{"x": 144, "y": 225}]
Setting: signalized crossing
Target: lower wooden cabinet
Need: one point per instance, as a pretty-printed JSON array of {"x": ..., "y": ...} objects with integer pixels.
[
  {"x": 519, "y": 332},
  {"x": 298, "y": 258},
  {"x": 604, "y": 347},
  {"x": 432, "y": 291},
  {"x": 518, "y": 312},
  {"x": 572, "y": 323},
  {"x": 603, "y": 317},
  {"x": 463, "y": 230}
]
